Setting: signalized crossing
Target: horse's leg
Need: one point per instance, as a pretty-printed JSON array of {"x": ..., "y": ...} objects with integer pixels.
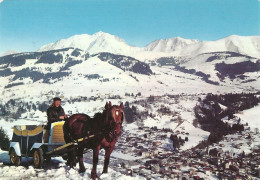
[
  {"x": 107, "y": 158},
  {"x": 95, "y": 161},
  {"x": 80, "y": 157},
  {"x": 69, "y": 160},
  {"x": 71, "y": 157}
]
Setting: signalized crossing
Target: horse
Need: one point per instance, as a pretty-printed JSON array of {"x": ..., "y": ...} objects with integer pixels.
[{"x": 106, "y": 128}]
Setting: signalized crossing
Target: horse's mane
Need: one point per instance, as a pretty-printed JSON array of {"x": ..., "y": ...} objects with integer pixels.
[
  {"x": 99, "y": 115},
  {"x": 100, "y": 118}
]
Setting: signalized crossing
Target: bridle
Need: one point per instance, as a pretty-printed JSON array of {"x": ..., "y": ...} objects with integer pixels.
[
  {"x": 112, "y": 129},
  {"x": 117, "y": 111}
]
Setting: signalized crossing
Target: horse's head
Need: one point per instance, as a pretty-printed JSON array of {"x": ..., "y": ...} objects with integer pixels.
[{"x": 114, "y": 119}]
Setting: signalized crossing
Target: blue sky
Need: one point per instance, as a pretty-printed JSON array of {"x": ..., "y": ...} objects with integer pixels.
[{"x": 26, "y": 25}]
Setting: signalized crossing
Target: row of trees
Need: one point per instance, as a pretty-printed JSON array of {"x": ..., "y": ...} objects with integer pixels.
[
  {"x": 217, "y": 135},
  {"x": 209, "y": 113},
  {"x": 15, "y": 108}
]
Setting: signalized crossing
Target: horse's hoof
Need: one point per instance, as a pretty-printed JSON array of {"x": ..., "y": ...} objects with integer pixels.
[
  {"x": 82, "y": 170},
  {"x": 94, "y": 176},
  {"x": 104, "y": 172},
  {"x": 70, "y": 165}
]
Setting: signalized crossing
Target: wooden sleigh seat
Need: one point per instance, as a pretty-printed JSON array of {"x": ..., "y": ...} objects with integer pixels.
[{"x": 56, "y": 133}]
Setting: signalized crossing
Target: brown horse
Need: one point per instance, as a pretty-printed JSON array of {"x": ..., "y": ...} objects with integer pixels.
[{"x": 106, "y": 127}]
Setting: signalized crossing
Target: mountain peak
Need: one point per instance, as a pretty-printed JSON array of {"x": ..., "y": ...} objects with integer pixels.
[
  {"x": 233, "y": 36},
  {"x": 170, "y": 45},
  {"x": 98, "y": 42},
  {"x": 181, "y": 39},
  {"x": 100, "y": 33}
]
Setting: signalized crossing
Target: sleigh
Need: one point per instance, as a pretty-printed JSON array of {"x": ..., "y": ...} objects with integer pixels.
[{"x": 28, "y": 141}]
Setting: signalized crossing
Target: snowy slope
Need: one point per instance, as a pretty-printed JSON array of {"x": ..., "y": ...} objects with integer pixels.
[
  {"x": 94, "y": 77},
  {"x": 218, "y": 66},
  {"x": 251, "y": 116},
  {"x": 73, "y": 72}
]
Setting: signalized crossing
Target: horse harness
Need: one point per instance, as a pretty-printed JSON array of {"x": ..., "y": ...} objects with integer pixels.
[{"x": 107, "y": 132}]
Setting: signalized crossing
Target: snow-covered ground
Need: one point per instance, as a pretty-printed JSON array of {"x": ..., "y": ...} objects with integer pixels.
[
  {"x": 251, "y": 116},
  {"x": 56, "y": 169}
]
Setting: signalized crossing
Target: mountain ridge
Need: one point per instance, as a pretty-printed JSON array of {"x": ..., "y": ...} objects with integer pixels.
[{"x": 175, "y": 46}]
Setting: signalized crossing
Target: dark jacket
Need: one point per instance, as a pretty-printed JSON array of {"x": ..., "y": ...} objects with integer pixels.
[{"x": 53, "y": 114}]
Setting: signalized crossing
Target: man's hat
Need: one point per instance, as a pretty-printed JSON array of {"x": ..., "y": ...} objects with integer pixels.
[{"x": 56, "y": 99}]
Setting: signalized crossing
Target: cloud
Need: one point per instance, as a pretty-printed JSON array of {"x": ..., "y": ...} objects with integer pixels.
[{"x": 1, "y": 1}]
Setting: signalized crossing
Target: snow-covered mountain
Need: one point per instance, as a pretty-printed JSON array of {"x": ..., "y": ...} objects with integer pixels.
[
  {"x": 105, "y": 42},
  {"x": 100, "y": 64},
  {"x": 105, "y": 73},
  {"x": 248, "y": 45},
  {"x": 98, "y": 42},
  {"x": 170, "y": 45},
  {"x": 240, "y": 44}
]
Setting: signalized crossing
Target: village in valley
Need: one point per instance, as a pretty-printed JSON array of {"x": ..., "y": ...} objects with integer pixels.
[{"x": 151, "y": 159}]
